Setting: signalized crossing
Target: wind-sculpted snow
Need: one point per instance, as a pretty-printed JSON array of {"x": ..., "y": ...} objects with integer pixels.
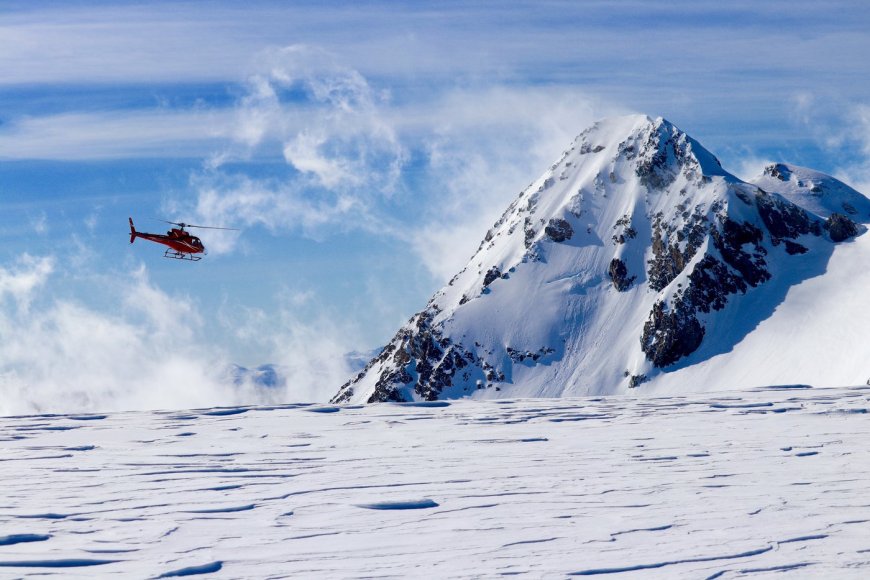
[{"x": 770, "y": 481}]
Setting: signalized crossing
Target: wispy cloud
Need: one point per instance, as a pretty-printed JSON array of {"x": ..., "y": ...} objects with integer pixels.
[
  {"x": 434, "y": 174},
  {"x": 281, "y": 206},
  {"x": 307, "y": 341},
  {"x": 21, "y": 280},
  {"x": 343, "y": 157},
  {"x": 112, "y": 42},
  {"x": 751, "y": 166},
  {"x": 65, "y": 356},
  {"x": 492, "y": 143},
  {"x": 855, "y": 168},
  {"x": 146, "y": 348},
  {"x": 737, "y": 64},
  {"x": 115, "y": 135}
]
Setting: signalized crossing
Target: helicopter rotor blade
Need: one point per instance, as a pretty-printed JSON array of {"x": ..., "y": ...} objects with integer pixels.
[
  {"x": 210, "y": 227},
  {"x": 184, "y": 225}
]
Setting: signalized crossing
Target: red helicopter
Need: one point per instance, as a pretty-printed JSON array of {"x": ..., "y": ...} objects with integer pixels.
[{"x": 181, "y": 244}]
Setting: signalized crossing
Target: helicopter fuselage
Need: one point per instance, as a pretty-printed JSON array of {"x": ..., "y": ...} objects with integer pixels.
[{"x": 181, "y": 242}]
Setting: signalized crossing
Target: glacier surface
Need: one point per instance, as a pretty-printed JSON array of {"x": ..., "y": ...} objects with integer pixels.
[{"x": 765, "y": 482}]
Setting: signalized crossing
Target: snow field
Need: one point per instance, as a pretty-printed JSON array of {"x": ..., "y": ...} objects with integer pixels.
[{"x": 723, "y": 485}]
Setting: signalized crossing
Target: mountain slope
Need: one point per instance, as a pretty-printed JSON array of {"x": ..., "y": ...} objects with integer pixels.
[{"x": 636, "y": 256}]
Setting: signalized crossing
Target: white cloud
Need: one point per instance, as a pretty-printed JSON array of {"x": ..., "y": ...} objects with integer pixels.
[
  {"x": 350, "y": 147},
  {"x": 147, "y": 349},
  {"x": 856, "y": 169},
  {"x": 331, "y": 127},
  {"x": 280, "y": 206},
  {"x": 304, "y": 152},
  {"x": 750, "y": 166},
  {"x": 21, "y": 281},
  {"x": 493, "y": 142},
  {"x": 115, "y": 135},
  {"x": 306, "y": 340},
  {"x": 344, "y": 158},
  {"x": 144, "y": 348}
]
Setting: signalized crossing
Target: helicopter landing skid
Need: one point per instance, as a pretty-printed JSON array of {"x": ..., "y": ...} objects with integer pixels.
[{"x": 181, "y": 256}]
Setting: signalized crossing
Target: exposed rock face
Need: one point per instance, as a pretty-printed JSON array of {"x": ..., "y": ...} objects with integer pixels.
[
  {"x": 559, "y": 230},
  {"x": 619, "y": 275},
  {"x": 732, "y": 241},
  {"x": 840, "y": 227},
  {"x": 778, "y": 171},
  {"x": 675, "y": 331},
  {"x": 649, "y": 213},
  {"x": 418, "y": 357},
  {"x": 784, "y": 219},
  {"x": 793, "y": 248},
  {"x": 672, "y": 334},
  {"x": 491, "y": 276},
  {"x": 674, "y": 246},
  {"x": 624, "y": 230}
]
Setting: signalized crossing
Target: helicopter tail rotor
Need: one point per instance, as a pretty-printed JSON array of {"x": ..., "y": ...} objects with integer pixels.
[{"x": 132, "y": 231}]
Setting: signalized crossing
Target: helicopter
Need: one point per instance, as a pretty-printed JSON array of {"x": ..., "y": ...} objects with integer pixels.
[{"x": 181, "y": 245}]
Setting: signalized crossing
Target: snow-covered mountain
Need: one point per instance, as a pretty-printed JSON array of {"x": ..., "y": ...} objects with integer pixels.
[
  {"x": 266, "y": 376},
  {"x": 635, "y": 261},
  {"x": 814, "y": 191}
]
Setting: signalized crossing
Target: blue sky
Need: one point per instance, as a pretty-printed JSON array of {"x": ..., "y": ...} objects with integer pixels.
[{"x": 362, "y": 149}]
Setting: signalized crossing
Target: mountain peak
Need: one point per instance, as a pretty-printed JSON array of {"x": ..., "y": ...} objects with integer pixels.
[
  {"x": 814, "y": 191},
  {"x": 656, "y": 147},
  {"x": 627, "y": 260}
]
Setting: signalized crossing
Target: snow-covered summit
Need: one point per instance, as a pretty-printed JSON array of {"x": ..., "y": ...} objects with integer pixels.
[
  {"x": 814, "y": 191},
  {"x": 633, "y": 257}
]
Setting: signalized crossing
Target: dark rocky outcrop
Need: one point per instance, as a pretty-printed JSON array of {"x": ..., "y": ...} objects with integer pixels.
[
  {"x": 794, "y": 248},
  {"x": 587, "y": 148},
  {"x": 518, "y": 356},
  {"x": 492, "y": 275},
  {"x": 673, "y": 248},
  {"x": 418, "y": 357},
  {"x": 784, "y": 219},
  {"x": 559, "y": 230},
  {"x": 779, "y": 171},
  {"x": 618, "y": 274},
  {"x": 840, "y": 228},
  {"x": 529, "y": 233},
  {"x": 671, "y": 334},
  {"x": 624, "y": 229},
  {"x": 653, "y": 168},
  {"x": 732, "y": 241},
  {"x": 710, "y": 284},
  {"x": 636, "y": 380},
  {"x": 666, "y": 153}
]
